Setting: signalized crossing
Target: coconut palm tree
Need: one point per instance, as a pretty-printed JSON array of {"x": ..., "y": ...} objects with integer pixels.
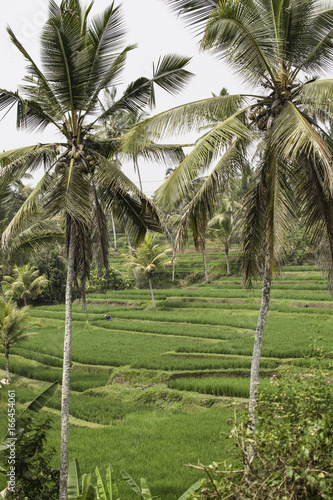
[
  {"x": 13, "y": 327},
  {"x": 25, "y": 284},
  {"x": 150, "y": 257},
  {"x": 281, "y": 49},
  {"x": 222, "y": 226},
  {"x": 80, "y": 58}
]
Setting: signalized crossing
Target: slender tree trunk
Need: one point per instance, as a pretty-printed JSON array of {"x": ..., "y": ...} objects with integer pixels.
[
  {"x": 114, "y": 232},
  {"x": 7, "y": 364},
  {"x": 173, "y": 266},
  {"x": 204, "y": 260},
  {"x": 136, "y": 168},
  {"x": 151, "y": 291},
  {"x": 2, "y": 294},
  {"x": 84, "y": 298},
  {"x": 254, "y": 380},
  {"x": 138, "y": 283},
  {"x": 66, "y": 372},
  {"x": 226, "y": 251}
]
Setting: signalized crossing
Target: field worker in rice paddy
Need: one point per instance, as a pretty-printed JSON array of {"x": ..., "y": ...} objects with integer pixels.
[{"x": 107, "y": 316}]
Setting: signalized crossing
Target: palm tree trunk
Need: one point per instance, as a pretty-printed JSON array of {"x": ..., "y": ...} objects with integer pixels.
[
  {"x": 2, "y": 294},
  {"x": 114, "y": 232},
  {"x": 66, "y": 372},
  {"x": 151, "y": 292},
  {"x": 254, "y": 380},
  {"x": 226, "y": 251},
  {"x": 7, "y": 364},
  {"x": 173, "y": 266},
  {"x": 138, "y": 283},
  {"x": 204, "y": 260},
  {"x": 136, "y": 169}
]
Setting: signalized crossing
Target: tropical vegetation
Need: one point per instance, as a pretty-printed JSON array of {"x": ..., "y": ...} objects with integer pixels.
[
  {"x": 253, "y": 194},
  {"x": 281, "y": 50},
  {"x": 80, "y": 59}
]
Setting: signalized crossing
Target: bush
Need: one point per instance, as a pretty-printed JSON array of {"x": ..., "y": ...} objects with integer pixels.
[
  {"x": 114, "y": 281},
  {"x": 34, "y": 477},
  {"x": 292, "y": 445}
]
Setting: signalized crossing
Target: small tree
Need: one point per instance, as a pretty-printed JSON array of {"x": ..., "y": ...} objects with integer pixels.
[
  {"x": 13, "y": 327},
  {"x": 26, "y": 283},
  {"x": 150, "y": 257}
]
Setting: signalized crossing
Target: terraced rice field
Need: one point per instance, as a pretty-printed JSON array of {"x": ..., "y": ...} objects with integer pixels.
[{"x": 152, "y": 390}]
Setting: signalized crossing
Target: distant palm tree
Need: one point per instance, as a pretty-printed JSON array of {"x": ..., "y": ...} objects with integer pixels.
[
  {"x": 79, "y": 60},
  {"x": 281, "y": 49},
  {"x": 25, "y": 284},
  {"x": 14, "y": 328},
  {"x": 150, "y": 257}
]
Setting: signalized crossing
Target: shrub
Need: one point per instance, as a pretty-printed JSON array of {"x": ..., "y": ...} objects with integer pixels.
[{"x": 293, "y": 444}]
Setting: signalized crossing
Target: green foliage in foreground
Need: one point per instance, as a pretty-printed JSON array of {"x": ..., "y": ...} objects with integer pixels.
[
  {"x": 80, "y": 487},
  {"x": 293, "y": 444}
]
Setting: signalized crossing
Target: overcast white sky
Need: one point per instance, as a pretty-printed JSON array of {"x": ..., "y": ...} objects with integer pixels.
[{"x": 151, "y": 25}]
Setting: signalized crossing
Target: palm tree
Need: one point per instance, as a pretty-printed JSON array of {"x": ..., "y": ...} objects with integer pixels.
[
  {"x": 150, "y": 257},
  {"x": 25, "y": 284},
  {"x": 79, "y": 60},
  {"x": 282, "y": 49},
  {"x": 222, "y": 226},
  {"x": 13, "y": 327}
]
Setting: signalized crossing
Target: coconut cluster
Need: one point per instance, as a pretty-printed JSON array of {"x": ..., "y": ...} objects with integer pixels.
[{"x": 265, "y": 111}]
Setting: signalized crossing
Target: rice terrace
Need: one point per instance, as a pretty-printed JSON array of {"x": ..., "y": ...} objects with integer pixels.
[{"x": 153, "y": 390}]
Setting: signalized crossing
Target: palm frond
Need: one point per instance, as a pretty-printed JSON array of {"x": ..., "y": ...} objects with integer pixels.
[
  {"x": 66, "y": 59},
  {"x": 294, "y": 135},
  {"x": 29, "y": 209},
  {"x": 110, "y": 78},
  {"x": 316, "y": 204},
  {"x": 35, "y": 237},
  {"x": 130, "y": 206},
  {"x": 30, "y": 114},
  {"x": 245, "y": 36},
  {"x": 210, "y": 146},
  {"x": 196, "y": 12},
  {"x": 50, "y": 101},
  {"x": 201, "y": 208},
  {"x": 181, "y": 119},
  {"x": 170, "y": 75},
  {"x": 17, "y": 161},
  {"x": 317, "y": 95},
  {"x": 317, "y": 50}
]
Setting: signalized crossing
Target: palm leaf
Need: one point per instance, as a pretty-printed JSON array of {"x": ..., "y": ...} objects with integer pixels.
[
  {"x": 317, "y": 95},
  {"x": 182, "y": 119},
  {"x": 49, "y": 99},
  {"x": 244, "y": 36},
  {"x": 201, "y": 208},
  {"x": 293, "y": 135},
  {"x": 30, "y": 114},
  {"x": 170, "y": 75},
  {"x": 317, "y": 47},
  {"x": 196, "y": 12},
  {"x": 205, "y": 151},
  {"x": 29, "y": 210},
  {"x": 17, "y": 161},
  {"x": 316, "y": 206}
]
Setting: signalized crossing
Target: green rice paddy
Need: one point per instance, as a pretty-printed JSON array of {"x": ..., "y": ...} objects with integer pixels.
[{"x": 152, "y": 390}]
